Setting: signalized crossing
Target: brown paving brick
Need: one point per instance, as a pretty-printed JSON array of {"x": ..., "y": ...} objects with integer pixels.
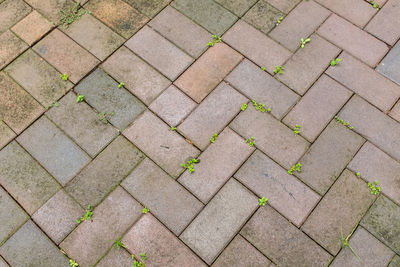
[
  {"x": 10, "y": 47},
  {"x": 284, "y": 5},
  {"x": 256, "y": 46},
  {"x": 307, "y": 64},
  {"x": 341, "y": 209},
  {"x": 17, "y": 108},
  {"x": 271, "y": 136},
  {"x": 318, "y": 106},
  {"x": 238, "y": 7},
  {"x": 212, "y": 115},
  {"x": 148, "y": 7},
  {"x": 281, "y": 241},
  {"x": 51, "y": 8},
  {"x": 263, "y": 16},
  {"x": 155, "y": 138},
  {"x": 300, "y": 23},
  {"x": 366, "y": 82},
  {"x": 116, "y": 257},
  {"x": 6, "y": 134},
  {"x": 395, "y": 112},
  {"x": 208, "y": 71},
  {"x": 11, "y": 11},
  {"x": 118, "y": 15},
  {"x": 64, "y": 54},
  {"x": 217, "y": 164},
  {"x": 32, "y": 27},
  {"x": 113, "y": 217},
  {"x": 352, "y": 39}
]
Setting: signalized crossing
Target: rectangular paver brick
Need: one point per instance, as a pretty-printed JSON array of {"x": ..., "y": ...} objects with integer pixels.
[
  {"x": 10, "y": 47},
  {"x": 116, "y": 257},
  {"x": 238, "y": 7},
  {"x": 395, "y": 112},
  {"x": 395, "y": 261},
  {"x": 32, "y": 27},
  {"x": 11, "y": 11},
  {"x": 51, "y": 9},
  {"x": 218, "y": 222},
  {"x": 390, "y": 65},
  {"x": 263, "y": 16},
  {"x": 148, "y": 7},
  {"x": 6, "y": 134},
  {"x": 2, "y": 262},
  {"x": 284, "y": 5}
]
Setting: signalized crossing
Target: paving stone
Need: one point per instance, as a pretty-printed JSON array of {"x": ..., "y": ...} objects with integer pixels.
[
  {"x": 11, "y": 11},
  {"x": 2, "y": 262},
  {"x": 53, "y": 149},
  {"x": 116, "y": 257},
  {"x": 281, "y": 241},
  {"x": 141, "y": 79},
  {"x": 254, "y": 83},
  {"x": 105, "y": 172},
  {"x": 354, "y": 40},
  {"x": 65, "y": 55},
  {"x": 172, "y": 106},
  {"x": 318, "y": 106},
  {"x": 253, "y": 44},
  {"x": 208, "y": 71},
  {"x": 31, "y": 247},
  {"x": 180, "y": 30},
  {"x": 238, "y": 7},
  {"x": 218, "y": 222},
  {"x": 6, "y": 134},
  {"x": 383, "y": 221},
  {"x": 328, "y": 156},
  {"x": 51, "y": 8},
  {"x": 217, "y": 164},
  {"x": 32, "y": 27},
  {"x": 148, "y": 7},
  {"x": 160, "y": 245},
  {"x": 263, "y": 16},
  {"x": 102, "y": 93},
  {"x": 390, "y": 65},
  {"x": 375, "y": 126},
  {"x": 271, "y": 136},
  {"x": 57, "y": 217},
  {"x": 395, "y": 112},
  {"x": 368, "y": 248},
  {"x": 366, "y": 82},
  {"x": 284, "y": 5},
  {"x": 207, "y": 13},
  {"x": 38, "y": 77},
  {"x": 167, "y": 200},
  {"x": 212, "y": 115},
  {"x": 93, "y": 35},
  {"x": 10, "y": 47},
  {"x": 307, "y": 64},
  {"x": 300, "y": 23},
  {"x": 395, "y": 261},
  {"x": 155, "y": 138},
  {"x": 12, "y": 216},
  {"x": 241, "y": 253},
  {"x": 82, "y": 124},
  {"x": 118, "y": 15},
  {"x": 113, "y": 217},
  {"x": 340, "y": 210}
]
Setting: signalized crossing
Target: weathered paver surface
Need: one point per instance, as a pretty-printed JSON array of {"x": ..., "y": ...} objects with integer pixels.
[{"x": 163, "y": 132}]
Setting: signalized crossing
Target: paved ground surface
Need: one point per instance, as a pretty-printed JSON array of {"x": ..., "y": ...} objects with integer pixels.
[{"x": 154, "y": 93}]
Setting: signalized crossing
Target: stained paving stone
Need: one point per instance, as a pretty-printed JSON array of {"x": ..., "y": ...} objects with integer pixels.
[
  {"x": 253, "y": 43},
  {"x": 31, "y": 247},
  {"x": 285, "y": 193},
  {"x": 307, "y": 64},
  {"x": 300, "y": 23},
  {"x": 116, "y": 257},
  {"x": 167, "y": 200},
  {"x": 395, "y": 112},
  {"x": 57, "y": 217},
  {"x": 263, "y": 16},
  {"x": 11, "y": 11},
  {"x": 224, "y": 103},
  {"x": 159, "y": 52},
  {"x": 281, "y": 241},
  {"x": 208, "y": 71},
  {"x": 180, "y": 30},
  {"x": 65, "y": 55},
  {"x": 38, "y": 77},
  {"x": 271, "y": 136},
  {"x": 237, "y": 7},
  {"x": 217, "y": 164},
  {"x": 366, "y": 82},
  {"x": 32, "y": 27},
  {"x": 284, "y": 5},
  {"x": 140, "y": 78},
  {"x": 318, "y": 106},
  {"x": 6, "y": 134},
  {"x": 207, "y": 14},
  {"x": 82, "y": 124},
  {"x": 254, "y": 83},
  {"x": 113, "y": 217},
  {"x": 172, "y": 106},
  {"x": 328, "y": 156},
  {"x": 93, "y": 35},
  {"x": 51, "y": 8},
  {"x": 375, "y": 126},
  {"x": 102, "y": 93},
  {"x": 341, "y": 209},
  {"x": 354, "y": 40},
  {"x": 12, "y": 216},
  {"x": 395, "y": 261},
  {"x": 218, "y": 222},
  {"x": 105, "y": 172},
  {"x": 390, "y": 65},
  {"x": 160, "y": 245},
  {"x": 118, "y": 15},
  {"x": 383, "y": 221},
  {"x": 10, "y": 47},
  {"x": 148, "y": 7},
  {"x": 370, "y": 250},
  {"x": 53, "y": 149},
  {"x": 155, "y": 138}
]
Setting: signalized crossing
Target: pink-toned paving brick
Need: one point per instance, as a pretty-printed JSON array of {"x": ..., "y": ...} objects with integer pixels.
[
  {"x": 284, "y": 5},
  {"x": 116, "y": 257},
  {"x": 395, "y": 112},
  {"x": 32, "y": 27},
  {"x": 10, "y": 47},
  {"x": 11, "y": 11}
]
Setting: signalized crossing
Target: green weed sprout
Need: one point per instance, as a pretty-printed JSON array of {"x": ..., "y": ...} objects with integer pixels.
[
  {"x": 304, "y": 42},
  {"x": 213, "y": 138},
  {"x": 375, "y": 189},
  {"x": 345, "y": 241},
  {"x": 347, "y": 124},
  {"x": 80, "y": 98},
  {"x": 145, "y": 210},
  {"x": 262, "y": 201},
  {"x": 251, "y": 141},
  {"x": 118, "y": 243},
  {"x": 105, "y": 116},
  {"x": 216, "y": 39},
  {"x": 375, "y": 5},
  {"x": 296, "y": 168},
  {"x": 87, "y": 216},
  {"x": 279, "y": 21},
  {"x": 335, "y": 61},
  {"x": 190, "y": 165},
  {"x": 296, "y": 129},
  {"x": 260, "y": 107},
  {"x": 279, "y": 69},
  {"x": 64, "y": 76},
  {"x": 243, "y": 107},
  {"x": 73, "y": 263},
  {"x": 121, "y": 84}
]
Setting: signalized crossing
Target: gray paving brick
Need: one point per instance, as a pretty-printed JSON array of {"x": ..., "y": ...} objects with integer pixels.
[
  {"x": 390, "y": 65},
  {"x": 6, "y": 134},
  {"x": 11, "y": 11},
  {"x": 10, "y": 47},
  {"x": 284, "y": 5},
  {"x": 148, "y": 7},
  {"x": 238, "y": 7},
  {"x": 263, "y": 16},
  {"x": 116, "y": 257}
]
